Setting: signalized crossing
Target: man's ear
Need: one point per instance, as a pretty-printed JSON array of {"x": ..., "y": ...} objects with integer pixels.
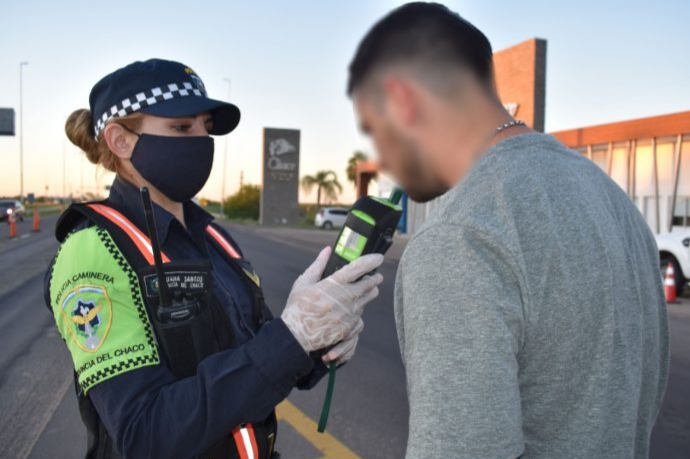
[
  {"x": 402, "y": 101},
  {"x": 120, "y": 141}
]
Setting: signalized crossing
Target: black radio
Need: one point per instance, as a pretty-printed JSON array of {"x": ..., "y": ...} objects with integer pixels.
[{"x": 178, "y": 294}]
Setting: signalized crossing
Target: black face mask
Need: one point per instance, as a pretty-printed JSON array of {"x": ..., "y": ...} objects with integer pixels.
[{"x": 177, "y": 166}]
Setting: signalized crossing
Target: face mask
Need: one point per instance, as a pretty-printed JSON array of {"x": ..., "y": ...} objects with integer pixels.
[{"x": 177, "y": 166}]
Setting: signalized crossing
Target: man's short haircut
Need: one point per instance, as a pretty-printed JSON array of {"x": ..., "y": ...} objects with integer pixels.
[{"x": 427, "y": 34}]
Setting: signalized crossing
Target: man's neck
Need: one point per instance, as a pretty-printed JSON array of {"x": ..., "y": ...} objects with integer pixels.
[{"x": 468, "y": 140}]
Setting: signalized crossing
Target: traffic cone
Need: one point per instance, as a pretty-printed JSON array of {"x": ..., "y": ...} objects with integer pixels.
[
  {"x": 670, "y": 285},
  {"x": 13, "y": 225},
  {"x": 37, "y": 221}
]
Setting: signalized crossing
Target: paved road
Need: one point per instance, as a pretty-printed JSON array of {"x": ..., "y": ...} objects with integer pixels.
[
  {"x": 671, "y": 435},
  {"x": 38, "y": 417},
  {"x": 34, "y": 366}
]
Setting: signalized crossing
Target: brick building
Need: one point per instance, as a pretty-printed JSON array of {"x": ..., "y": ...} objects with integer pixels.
[{"x": 649, "y": 158}]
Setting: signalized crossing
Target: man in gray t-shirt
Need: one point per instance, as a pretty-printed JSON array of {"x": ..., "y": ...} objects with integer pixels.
[{"x": 529, "y": 306}]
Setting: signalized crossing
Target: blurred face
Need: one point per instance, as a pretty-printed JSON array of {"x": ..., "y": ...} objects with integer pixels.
[{"x": 400, "y": 155}]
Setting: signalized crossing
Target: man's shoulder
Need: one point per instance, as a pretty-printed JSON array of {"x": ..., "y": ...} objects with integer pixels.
[{"x": 446, "y": 241}]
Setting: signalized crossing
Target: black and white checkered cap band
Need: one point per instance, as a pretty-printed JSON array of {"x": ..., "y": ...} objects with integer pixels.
[{"x": 145, "y": 99}]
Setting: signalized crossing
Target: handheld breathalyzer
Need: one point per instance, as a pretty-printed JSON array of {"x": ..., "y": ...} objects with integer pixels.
[{"x": 369, "y": 228}]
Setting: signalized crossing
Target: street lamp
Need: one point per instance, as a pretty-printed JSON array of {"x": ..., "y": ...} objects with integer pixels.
[
  {"x": 225, "y": 159},
  {"x": 21, "y": 132}
]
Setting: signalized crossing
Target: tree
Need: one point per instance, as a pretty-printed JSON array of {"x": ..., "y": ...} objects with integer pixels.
[
  {"x": 245, "y": 203},
  {"x": 357, "y": 157},
  {"x": 351, "y": 170},
  {"x": 326, "y": 183}
]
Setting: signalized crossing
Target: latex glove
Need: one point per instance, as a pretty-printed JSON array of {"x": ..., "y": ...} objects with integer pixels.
[
  {"x": 345, "y": 350},
  {"x": 320, "y": 313}
]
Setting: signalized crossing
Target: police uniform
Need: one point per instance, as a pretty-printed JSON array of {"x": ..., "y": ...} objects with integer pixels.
[{"x": 102, "y": 290}]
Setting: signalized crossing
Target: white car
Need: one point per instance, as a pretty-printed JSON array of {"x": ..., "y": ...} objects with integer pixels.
[
  {"x": 330, "y": 217},
  {"x": 11, "y": 206},
  {"x": 674, "y": 247}
]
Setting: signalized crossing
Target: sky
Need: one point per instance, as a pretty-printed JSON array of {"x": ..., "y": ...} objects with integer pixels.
[{"x": 607, "y": 61}]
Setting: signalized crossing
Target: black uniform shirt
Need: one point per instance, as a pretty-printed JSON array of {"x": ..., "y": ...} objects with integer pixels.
[{"x": 151, "y": 414}]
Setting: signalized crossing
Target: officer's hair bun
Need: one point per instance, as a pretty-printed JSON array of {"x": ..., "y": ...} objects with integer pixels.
[{"x": 80, "y": 131}]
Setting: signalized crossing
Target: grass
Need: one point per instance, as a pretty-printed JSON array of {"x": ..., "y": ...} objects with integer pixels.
[{"x": 49, "y": 210}]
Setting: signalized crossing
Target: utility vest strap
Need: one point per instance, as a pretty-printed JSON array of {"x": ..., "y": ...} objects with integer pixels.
[
  {"x": 222, "y": 242},
  {"x": 143, "y": 242},
  {"x": 245, "y": 440},
  {"x": 140, "y": 240}
]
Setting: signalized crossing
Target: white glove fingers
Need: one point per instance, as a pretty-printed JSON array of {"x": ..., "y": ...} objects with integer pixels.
[
  {"x": 313, "y": 273},
  {"x": 356, "y": 330},
  {"x": 342, "y": 352},
  {"x": 370, "y": 296},
  {"x": 358, "y": 268},
  {"x": 363, "y": 286}
]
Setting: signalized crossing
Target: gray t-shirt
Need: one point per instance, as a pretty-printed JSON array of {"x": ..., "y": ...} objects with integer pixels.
[{"x": 531, "y": 315}]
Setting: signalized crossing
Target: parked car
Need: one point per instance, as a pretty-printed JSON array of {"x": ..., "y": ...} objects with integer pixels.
[
  {"x": 674, "y": 248},
  {"x": 330, "y": 217},
  {"x": 9, "y": 207}
]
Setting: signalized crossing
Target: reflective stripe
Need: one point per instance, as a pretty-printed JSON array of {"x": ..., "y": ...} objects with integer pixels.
[
  {"x": 246, "y": 442},
  {"x": 252, "y": 438},
  {"x": 141, "y": 241},
  {"x": 221, "y": 240}
]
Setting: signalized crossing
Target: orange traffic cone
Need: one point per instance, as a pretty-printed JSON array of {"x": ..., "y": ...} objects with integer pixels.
[
  {"x": 670, "y": 285},
  {"x": 13, "y": 225},
  {"x": 37, "y": 220}
]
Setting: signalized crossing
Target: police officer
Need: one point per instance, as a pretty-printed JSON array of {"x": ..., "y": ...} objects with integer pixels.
[{"x": 184, "y": 361}]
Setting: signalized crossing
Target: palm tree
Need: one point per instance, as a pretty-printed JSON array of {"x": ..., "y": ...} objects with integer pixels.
[
  {"x": 326, "y": 182},
  {"x": 357, "y": 157}
]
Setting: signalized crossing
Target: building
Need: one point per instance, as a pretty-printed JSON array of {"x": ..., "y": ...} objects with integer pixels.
[{"x": 649, "y": 158}]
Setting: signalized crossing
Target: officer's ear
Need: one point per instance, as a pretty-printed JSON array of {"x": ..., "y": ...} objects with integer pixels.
[{"x": 120, "y": 141}]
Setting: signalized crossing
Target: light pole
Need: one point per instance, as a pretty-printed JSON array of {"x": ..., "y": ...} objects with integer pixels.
[
  {"x": 21, "y": 131},
  {"x": 225, "y": 159},
  {"x": 64, "y": 169}
]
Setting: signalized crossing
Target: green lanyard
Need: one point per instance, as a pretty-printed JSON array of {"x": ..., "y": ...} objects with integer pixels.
[{"x": 329, "y": 397}]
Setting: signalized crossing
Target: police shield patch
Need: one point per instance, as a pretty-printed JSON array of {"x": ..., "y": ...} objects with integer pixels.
[
  {"x": 99, "y": 310},
  {"x": 87, "y": 311}
]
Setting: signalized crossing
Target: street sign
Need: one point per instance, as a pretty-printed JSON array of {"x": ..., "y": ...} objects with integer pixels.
[
  {"x": 7, "y": 121},
  {"x": 280, "y": 189}
]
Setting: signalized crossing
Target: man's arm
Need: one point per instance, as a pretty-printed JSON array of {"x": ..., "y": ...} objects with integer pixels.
[{"x": 462, "y": 321}]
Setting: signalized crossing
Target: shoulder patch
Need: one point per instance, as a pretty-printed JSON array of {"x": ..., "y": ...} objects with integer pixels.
[{"x": 99, "y": 310}]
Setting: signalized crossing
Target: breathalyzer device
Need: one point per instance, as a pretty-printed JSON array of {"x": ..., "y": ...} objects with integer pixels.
[{"x": 369, "y": 228}]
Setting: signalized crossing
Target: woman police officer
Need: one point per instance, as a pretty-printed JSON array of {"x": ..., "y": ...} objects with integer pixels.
[{"x": 201, "y": 378}]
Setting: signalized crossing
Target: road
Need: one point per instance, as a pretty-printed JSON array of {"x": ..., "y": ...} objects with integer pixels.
[{"x": 38, "y": 416}]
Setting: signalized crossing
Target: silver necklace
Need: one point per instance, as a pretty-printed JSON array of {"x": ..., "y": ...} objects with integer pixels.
[
  {"x": 501, "y": 128},
  {"x": 509, "y": 124}
]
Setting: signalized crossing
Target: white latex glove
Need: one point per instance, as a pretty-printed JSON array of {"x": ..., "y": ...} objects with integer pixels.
[
  {"x": 320, "y": 313},
  {"x": 345, "y": 350}
]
